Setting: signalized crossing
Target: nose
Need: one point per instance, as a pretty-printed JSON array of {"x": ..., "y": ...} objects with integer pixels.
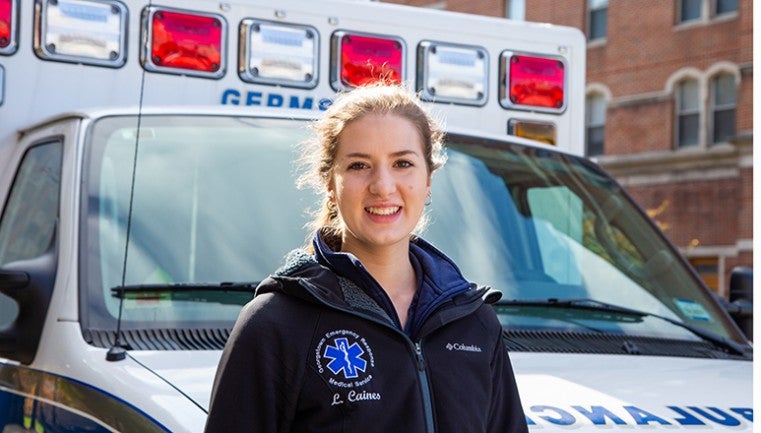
[{"x": 382, "y": 183}]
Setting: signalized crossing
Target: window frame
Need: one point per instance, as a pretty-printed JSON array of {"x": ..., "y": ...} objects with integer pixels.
[
  {"x": 715, "y": 13},
  {"x": 591, "y": 10},
  {"x": 9, "y": 308},
  {"x": 511, "y": 10},
  {"x": 55, "y": 145},
  {"x": 708, "y": 11},
  {"x": 713, "y": 108},
  {"x": 679, "y": 113},
  {"x": 590, "y": 123}
]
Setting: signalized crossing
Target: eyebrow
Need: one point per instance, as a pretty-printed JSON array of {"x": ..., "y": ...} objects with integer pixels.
[{"x": 394, "y": 154}]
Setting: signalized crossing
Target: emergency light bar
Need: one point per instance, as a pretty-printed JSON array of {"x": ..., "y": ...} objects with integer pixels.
[
  {"x": 278, "y": 54},
  {"x": 359, "y": 59},
  {"x": 532, "y": 83},
  {"x": 81, "y": 31},
  {"x": 8, "y": 26},
  {"x": 179, "y": 42},
  {"x": 452, "y": 73}
]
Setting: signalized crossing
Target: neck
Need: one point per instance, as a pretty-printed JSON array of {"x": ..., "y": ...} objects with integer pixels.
[
  {"x": 392, "y": 269},
  {"x": 383, "y": 263}
]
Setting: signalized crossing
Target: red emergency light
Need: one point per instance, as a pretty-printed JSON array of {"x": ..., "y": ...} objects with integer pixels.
[
  {"x": 7, "y": 26},
  {"x": 364, "y": 59},
  {"x": 184, "y": 42},
  {"x": 536, "y": 82}
]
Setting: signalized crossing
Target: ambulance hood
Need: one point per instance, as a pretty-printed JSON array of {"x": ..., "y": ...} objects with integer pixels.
[{"x": 604, "y": 392}]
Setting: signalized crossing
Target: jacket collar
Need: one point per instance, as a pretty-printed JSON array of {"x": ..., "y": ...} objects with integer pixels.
[
  {"x": 303, "y": 277},
  {"x": 439, "y": 279}
]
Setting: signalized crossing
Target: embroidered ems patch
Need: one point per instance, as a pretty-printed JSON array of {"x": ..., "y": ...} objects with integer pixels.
[{"x": 345, "y": 358}]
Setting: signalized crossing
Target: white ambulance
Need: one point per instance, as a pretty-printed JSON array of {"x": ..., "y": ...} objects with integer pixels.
[{"x": 147, "y": 185}]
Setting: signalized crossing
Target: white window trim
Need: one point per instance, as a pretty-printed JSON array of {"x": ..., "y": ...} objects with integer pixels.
[
  {"x": 679, "y": 113},
  {"x": 715, "y": 71},
  {"x": 589, "y": 24},
  {"x": 704, "y": 79},
  {"x": 707, "y": 15},
  {"x": 602, "y": 90}
]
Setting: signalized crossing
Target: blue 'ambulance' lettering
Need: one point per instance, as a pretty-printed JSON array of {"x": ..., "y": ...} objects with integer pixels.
[
  {"x": 597, "y": 415},
  {"x": 744, "y": 412},
  {"x": 723, "y": 418},
  {"x": 604, "y": 416},
  {"x": 687, "y": 418},
  {"x": 643, "y": 417},
  {"x": 563, "y": 418}
]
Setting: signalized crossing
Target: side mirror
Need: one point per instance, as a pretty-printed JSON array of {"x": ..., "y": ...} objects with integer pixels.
[
  {"x": 740, "y": 305},
  {"x": 30, "y": 284}
]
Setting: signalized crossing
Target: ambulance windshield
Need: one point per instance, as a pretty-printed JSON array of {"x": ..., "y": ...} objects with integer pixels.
[{"x": 214, "y": 200}]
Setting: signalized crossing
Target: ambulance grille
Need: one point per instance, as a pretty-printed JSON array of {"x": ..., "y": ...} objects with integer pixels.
[
  {"x": 161, "y": 339},
  {"x": 584, "y": 342}
]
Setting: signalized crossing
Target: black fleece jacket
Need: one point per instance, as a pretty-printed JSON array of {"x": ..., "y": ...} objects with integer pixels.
[{"x": 314, "y": 352}]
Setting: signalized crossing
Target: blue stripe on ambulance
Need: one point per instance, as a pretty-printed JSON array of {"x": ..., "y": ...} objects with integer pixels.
[{"x": 43, "y": 402}]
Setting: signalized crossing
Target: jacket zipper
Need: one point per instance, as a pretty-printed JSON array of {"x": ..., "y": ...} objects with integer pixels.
[{"x": 425, "y": 390}]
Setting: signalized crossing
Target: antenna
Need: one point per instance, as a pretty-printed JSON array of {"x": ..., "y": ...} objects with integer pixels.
[{"x": 117, "y": 352}]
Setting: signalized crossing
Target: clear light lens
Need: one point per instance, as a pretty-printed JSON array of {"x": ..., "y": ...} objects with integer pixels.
[
  {"x": 365, "y": 59},
  {"x": 83, "y": 31},
  {"x": 453, "y": 73},
  {"x": 538, "y": 131},
  {"x": 536, "y": 81},
  {"x": 186, "y": 42},
  {"x": 280, "y": 54}
]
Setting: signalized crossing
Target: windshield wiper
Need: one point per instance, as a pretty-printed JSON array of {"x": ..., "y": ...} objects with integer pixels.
[
  {"x": 197, "y": 292},
  {"x": 593, "y": 305}
]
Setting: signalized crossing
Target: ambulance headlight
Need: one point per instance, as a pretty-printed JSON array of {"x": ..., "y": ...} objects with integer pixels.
[
  {"x": 81, "y": 31},
  {"x": 279, "y": 54},
  {"x": 452, "y": 73}
]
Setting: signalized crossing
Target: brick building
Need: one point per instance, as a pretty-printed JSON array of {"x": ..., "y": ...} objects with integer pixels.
[{"x": 669, "y": 111}]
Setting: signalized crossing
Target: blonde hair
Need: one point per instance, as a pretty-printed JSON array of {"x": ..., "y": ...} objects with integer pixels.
[{"x": 319, "y": 152}]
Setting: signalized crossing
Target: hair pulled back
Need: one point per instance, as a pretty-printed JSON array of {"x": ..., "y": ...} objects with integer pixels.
[{"x": 319, "y": 152}]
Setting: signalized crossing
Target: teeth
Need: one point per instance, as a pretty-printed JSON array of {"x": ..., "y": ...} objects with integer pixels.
[{"x": 383, "y": 210}]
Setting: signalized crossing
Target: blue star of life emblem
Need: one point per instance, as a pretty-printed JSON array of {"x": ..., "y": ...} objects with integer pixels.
[{"x": 345, "y": 357}]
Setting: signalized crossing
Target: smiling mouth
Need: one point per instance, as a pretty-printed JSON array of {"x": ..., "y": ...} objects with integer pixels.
[{"x": 383, "y": 210}]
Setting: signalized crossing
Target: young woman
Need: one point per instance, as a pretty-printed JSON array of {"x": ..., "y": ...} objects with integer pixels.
[{"x": 369, "y": 328}]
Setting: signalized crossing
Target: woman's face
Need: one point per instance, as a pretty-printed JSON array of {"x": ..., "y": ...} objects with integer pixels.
[{"x": 380, "y": 181}]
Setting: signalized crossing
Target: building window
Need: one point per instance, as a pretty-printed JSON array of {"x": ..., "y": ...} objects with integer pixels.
[
  {"x": 708, "y": 269},
  {"x": 725, "y": 7},
  {"x": 690, "y": 10},
  {"x": 688, "y": 113},
  {"x": 598, "y": 19},
  {"x": 595, "y": 124},
  {"x": 723, "y": 106},
  {"x": 696, "y": 10},
  {"x": 516, "y": 9}
]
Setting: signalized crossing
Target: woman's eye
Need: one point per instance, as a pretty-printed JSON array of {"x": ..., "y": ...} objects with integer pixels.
[
  {"x": 357, "y": 165},
  {"x": 404, "y": 164}
]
